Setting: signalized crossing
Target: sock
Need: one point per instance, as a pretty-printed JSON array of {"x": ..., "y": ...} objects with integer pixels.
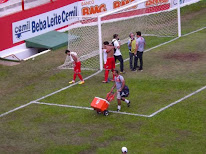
[
  {"x": 80, "y": 77},
  {"x": 119, "y": 107},
  {"x": 127, "y": 101},
  {"x": 74, "y": 76},
  {"x": 106, "y": 75},
  {"x": 113, "y": 76}
]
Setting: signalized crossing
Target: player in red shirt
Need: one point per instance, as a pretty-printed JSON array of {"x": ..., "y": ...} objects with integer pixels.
[
  {"x": 110, "y": 64},
  {"x": 77, "y": 66}
]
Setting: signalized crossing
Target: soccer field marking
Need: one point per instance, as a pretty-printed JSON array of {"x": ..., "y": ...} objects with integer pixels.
[
  {"x": 22, "y": 106},
  {"x": 88, "y": 108},
  {"x": 65, "y": 87},
  {"x": 194, "y": 31},
  {"x": 181, "y": 99},
  {"x": 18, "y": 108}
]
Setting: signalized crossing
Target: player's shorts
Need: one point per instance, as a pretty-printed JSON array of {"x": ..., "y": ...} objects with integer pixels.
[
  {"x": 77, "y": 67},
  {"x": 110, "y": 63},
  {"x": 118, "y": 95}
]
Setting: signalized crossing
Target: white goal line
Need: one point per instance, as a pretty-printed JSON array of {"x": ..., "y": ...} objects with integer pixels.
[
  {"x": 126, "y": 113},
  {"x": 88, "y": 108}
]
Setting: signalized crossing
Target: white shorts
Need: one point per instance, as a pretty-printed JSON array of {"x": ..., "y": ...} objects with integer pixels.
[{"x": 118, "y": 95}]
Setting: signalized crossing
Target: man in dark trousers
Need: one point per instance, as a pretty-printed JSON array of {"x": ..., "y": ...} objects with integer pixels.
[
  {"x": 140, "y": 45},
  {"x": 117, "y": 52}
]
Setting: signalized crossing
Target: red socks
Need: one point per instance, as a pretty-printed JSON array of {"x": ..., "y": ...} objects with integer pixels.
[
  {"x": 106, "y": 75},
  {"x": 74, "y": 76},
  {"x": 80, "y": 77}
]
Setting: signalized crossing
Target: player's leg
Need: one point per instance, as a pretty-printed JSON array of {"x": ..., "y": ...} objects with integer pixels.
[
  {"x": 141, "y": 60},
  {"x": 106, "y": 74},
  {"x": 131, "y": 60},
  {"x": 121, "y": 64},
  {"x": 118, "y": 101},
  {"x": 78, "y": 71},
  {"x": 113, "y": 68},
  {"x": 126, "y": 101},
  {"x": 135, "y": 62}
]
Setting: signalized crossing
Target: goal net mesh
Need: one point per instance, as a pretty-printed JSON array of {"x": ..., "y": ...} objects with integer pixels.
[
  {"x": 152, "y": 21},
  {"x": 83, "y": 39}
]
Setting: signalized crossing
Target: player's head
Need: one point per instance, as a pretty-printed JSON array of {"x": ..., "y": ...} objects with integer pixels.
[
  {"x": 138, "y": 33},
  {"x": 105, "y": 43},
  {"x": 116, "y": 72},
  {"x": 67, "y": 52},
  {"x": 131, "y": 35},
  {"x": 124, "y": 150},
  {"x": 115, "y": 36}
]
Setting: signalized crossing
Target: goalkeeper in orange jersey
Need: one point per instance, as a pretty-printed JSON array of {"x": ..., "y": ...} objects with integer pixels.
[{"x": 77, "y": 66}]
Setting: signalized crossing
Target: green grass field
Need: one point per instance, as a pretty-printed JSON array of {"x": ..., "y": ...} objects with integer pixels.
[{"x": 171, "y": 72}]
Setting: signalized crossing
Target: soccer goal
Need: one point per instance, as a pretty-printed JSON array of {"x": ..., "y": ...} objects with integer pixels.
[{"x": 87, "y": 34}]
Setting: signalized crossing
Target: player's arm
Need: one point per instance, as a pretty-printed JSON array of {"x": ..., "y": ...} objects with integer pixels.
[
  {"x": 74, "y": 57},
  {"x": 129, "y": 43},
  {"x": 116, "y": 44},
  {"x": 109, "y": 48},
  {"x": 113, "y": 87},
  {"x": 135, "y": 52},
  {"x": 123, "y": 84}
]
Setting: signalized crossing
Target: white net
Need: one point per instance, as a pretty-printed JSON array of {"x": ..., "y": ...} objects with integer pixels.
[
  {"x": 83, "y": 39},
  {"x": 156, "y": 21}
]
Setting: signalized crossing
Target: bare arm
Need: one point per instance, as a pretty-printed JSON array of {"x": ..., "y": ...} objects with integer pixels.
[
  {"x": 135, "y": 52},
  {"x": 113, "y": 87},
  {"x": 123, "y": 84},
  {"x": 74, "y": 58}
]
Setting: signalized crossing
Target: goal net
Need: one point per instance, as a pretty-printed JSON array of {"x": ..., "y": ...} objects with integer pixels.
[
  {"x": 88, "y": 33},
  {"x": 83, "y": 39}
]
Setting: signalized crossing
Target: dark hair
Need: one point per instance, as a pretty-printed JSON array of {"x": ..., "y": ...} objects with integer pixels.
[
  {"x": 115, "y": 35},
  {"x": 116, "y": 71},
  {"x": 106, "y": 43},
  {"x": 67, "y": 51},
  {"x": 138, "y": 33}
]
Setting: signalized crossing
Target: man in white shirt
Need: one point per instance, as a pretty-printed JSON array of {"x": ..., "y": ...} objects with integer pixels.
[{"x": 117, "y": 52}]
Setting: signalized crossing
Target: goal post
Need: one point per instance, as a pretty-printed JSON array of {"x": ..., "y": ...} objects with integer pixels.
[{"x": 87, "y": 34}]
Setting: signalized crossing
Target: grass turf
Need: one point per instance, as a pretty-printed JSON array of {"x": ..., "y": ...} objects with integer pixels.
[{"x": 170, "y": 72}]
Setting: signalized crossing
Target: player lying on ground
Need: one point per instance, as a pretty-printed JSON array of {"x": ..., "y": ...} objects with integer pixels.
[
  {"x": 77, "y": 66},
  {"x": 110, "y": 62},
  {"x": 120, "y": 85}
]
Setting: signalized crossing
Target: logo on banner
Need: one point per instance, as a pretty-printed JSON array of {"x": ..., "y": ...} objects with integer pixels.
[
  {"x": 19, "y": 30},
  {"x": 156, "y": 2},
  {"x": 43, "y": 23},
  {"x": 90, "y": 10},
  {"x": 117, "y": 4}
]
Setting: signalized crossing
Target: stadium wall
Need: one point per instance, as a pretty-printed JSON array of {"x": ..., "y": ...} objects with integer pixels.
[
  {"x": 84, "y": 8},
  {"x": 6, "y": 22}
]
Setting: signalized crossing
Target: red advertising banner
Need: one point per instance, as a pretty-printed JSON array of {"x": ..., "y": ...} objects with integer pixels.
[
  {"x": 3, "y": 1},
  {"x": 6, "y": 22}
]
